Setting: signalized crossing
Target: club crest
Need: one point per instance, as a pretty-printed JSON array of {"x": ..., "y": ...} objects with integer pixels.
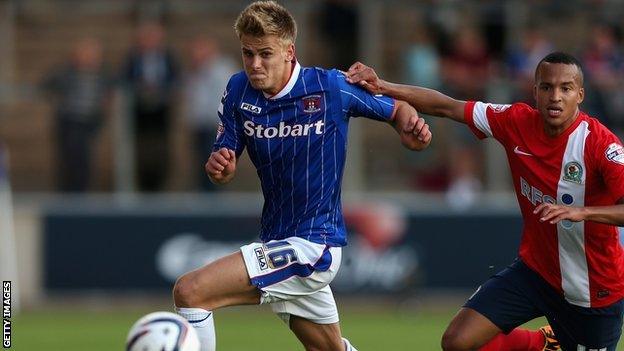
[
  {"x": 311, "y": 104},
  {"x": 573, "y": 172}
]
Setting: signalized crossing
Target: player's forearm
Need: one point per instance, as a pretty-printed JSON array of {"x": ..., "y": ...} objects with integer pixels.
[
  {"x": 605, "y": 214},
  {"x": 424, "y": 100}
]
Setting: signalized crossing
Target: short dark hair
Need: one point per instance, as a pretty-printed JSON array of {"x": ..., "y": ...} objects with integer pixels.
[{"x": 561, "y": 57}]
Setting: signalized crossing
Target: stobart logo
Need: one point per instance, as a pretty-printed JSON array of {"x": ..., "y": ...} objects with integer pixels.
[{"x": 282, "y": 130}]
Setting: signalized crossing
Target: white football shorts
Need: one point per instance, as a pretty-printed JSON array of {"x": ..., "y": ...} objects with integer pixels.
[{"x": 293, "y": 276}]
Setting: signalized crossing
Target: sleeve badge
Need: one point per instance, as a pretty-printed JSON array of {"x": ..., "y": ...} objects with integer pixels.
[
  {"x": 498, "y": 108},
  {"x": 615, "y": 153}
]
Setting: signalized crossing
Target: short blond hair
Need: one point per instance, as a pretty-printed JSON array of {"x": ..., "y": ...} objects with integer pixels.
[{"x": 266, "y": 18}]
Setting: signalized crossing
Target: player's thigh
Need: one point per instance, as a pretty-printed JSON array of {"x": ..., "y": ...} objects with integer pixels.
[
  {"x": 221, "y": 283},
  {"x": 315, "y": 336}
]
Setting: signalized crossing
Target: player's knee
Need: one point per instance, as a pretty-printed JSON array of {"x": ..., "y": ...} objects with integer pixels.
[
  {"x": 186, "y": 291},
  {"x": 452, "y": 341}
]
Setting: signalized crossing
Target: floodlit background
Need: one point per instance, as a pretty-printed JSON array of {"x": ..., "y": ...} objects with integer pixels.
[{"x": 103, "y": 198}]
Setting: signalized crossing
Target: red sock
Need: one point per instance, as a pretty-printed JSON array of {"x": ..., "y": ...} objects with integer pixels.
[{"x": 517, "y": 340}]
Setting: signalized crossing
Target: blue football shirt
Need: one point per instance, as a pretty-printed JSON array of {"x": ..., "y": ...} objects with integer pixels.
[{"x": 297, "y": 140}]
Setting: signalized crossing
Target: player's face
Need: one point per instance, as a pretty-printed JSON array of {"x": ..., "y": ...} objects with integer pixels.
[
  {"x": 267, "y": 62},
  {"x": 558, "y": 93}
]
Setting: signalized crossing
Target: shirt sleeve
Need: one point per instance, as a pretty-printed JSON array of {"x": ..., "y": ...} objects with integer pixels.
[
  {"x": 230, "y": 130},
  {"x": 488, "y": 120},
  {"x": 610, "y": 153},
  {"x": 358, "y": 102}
]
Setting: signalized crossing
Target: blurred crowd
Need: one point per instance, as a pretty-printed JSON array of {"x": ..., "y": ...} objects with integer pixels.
[
  {"x": 81, "y": 91},
  {"x": 474, "y": 61},
  {"x": 480, "y": 63}
]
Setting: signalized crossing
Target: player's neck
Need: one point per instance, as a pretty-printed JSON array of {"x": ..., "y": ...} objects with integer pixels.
[{"x": 284, "y": 81}]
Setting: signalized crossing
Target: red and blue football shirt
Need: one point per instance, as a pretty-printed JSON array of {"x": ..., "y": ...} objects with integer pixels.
[{"x": 584, "y": 166}]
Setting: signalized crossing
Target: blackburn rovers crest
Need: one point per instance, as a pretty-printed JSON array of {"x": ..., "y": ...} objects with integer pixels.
[
  {"x": 311, "y": 103},
  {"x": 573, "y": 172}
]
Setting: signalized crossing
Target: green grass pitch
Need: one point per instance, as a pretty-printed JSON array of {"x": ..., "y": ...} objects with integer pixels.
[{"x": 238, "y": 329}]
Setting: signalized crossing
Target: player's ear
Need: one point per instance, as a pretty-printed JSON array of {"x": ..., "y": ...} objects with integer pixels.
[
  {"x": 535, "y": 92},
  {"x": 581, "y": 95},
  {"x": 290, "y": 52}
]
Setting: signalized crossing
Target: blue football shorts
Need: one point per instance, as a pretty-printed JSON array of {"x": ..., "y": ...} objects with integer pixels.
[{"x": 518, "y": 294}]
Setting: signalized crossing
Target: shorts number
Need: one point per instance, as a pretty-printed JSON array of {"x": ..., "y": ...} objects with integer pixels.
[{"x": 281, "y": 254}]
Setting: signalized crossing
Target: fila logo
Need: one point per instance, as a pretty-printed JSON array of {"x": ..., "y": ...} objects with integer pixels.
[
  {"x": 251, "y": 108},
  {"x": 520, "y": 152},
  {"x": 262, "y": 262}
]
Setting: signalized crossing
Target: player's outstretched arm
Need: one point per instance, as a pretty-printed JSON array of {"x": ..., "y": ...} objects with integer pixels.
[
  {"x": 413, "y": 130},
  {"x": 221, "y": 166},
  {"x": 603, "y": 214},
  {"x": 427, "y": 101}
]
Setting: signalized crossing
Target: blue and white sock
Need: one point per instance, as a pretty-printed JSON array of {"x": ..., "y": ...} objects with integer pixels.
[
  {"x": 203, "y": 323},
  {"x": 348, "y": 346}
]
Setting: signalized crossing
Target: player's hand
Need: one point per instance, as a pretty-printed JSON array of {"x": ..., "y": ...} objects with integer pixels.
[
  {"x": 221, "y": 165},
  {"x": 413, "y": 130},
  {"x": 364, "y": 76},
  {"x": 553, "y": 214}
]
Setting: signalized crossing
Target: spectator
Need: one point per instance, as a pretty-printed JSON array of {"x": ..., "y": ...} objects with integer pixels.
[
  {"x": 422, "y": 67},
  {"x": 466, "y": 68},
  {"x": 422, "y": 61},
  {"x": 604, "y": 64},
  {"x": 81, "y": 93},
  {"x": 203, "y": 88},
  {"x": 522, "y": 60},
  {"x": 151, "y": 73},
  {"x": 466, "y": 73}
]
